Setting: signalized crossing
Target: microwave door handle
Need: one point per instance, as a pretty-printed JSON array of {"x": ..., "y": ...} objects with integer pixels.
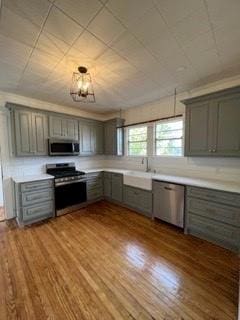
[{"x": 73, "y": 147}]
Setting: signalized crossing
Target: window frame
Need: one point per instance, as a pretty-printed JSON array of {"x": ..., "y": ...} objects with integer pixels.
[{"x": 155, "y": 140}]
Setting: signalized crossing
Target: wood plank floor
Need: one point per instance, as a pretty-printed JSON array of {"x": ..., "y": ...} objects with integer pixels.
[{"x": 107, "y": 262}]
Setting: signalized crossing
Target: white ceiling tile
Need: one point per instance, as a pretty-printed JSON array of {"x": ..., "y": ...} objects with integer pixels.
[
  {"x": 174, "y": 10},
  {"x": 192, "y": 26},
  {"x": 62, "y": 27},
  {"x": 49, "y": 44},
  {"x": 224, "y": 13},
  {"x": 34, "y": 11},
  {"x": 129, "y": 11},
  {"x": 89, "y": 45},
  {"x": 149, "y": 27},
  {"x": 81, "y": 11},
  {"x": 9, "y": 75},
  {"x": 106, "y": 27},
  {"x": 18, "y": 28},
  {"x": 199, "y": 44},
  {"x": 14, "y": 52}
]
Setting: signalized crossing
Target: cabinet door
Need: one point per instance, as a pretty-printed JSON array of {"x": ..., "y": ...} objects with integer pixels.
[
  {"x": 99, "y": 139},
  {"x": 85, "y": 139},
  {"x": 55, "y": 127},
  {"x": 107, "y": 187},
  {"x": 23, "y": 132},
  {"x": 71, "y": 129},
  {"x": 110, "y": 139},
  {"x": 117, "y": 187},
  {"x": 228, "y": 126},
  {"x": 40, "y": 133},
  {"x": 63, "y": 128},
  {"x": 197, "y": 129}
]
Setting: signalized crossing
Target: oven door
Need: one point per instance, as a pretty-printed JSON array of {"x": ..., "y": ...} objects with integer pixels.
[{"x": 70, "y": 196}]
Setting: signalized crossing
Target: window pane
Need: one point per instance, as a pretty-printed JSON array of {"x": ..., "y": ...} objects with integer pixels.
[
  {"x": 137, "y": 141},
  {"x": 170, "y": 134},
  {"x": 137, "y": 134},
  {"x": 170, "y": 143},
  {"x": 169, "y": 138},
  {"x": 170, "y": 125},
  {"x": 169, "y": 151},
  {"x": 137, "y": 148}
]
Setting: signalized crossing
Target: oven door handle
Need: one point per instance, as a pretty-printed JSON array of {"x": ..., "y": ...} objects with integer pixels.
[{"x": 59, "y": 184}]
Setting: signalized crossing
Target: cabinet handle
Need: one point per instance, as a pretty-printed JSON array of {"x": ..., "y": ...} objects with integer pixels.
[
  {"x": 214, "y": 150},
  {"x": 209, "y": 150}
]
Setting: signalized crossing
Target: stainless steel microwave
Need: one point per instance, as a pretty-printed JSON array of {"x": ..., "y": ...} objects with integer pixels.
[{"x": 57, "y": 147}]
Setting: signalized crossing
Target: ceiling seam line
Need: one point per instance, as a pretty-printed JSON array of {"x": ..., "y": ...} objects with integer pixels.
[
  {"x": 35, "y": 43},
  {"x": 213, "y": 32}
]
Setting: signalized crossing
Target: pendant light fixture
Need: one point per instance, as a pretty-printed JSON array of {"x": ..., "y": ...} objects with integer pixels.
[{"x": 82, "y": 89}]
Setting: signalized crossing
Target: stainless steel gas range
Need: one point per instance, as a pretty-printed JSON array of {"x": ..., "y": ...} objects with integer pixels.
[{"x": 70, "y": 187}]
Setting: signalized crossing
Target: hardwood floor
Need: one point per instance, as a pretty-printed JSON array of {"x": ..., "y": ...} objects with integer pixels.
[{"x": 107, "y": 262}]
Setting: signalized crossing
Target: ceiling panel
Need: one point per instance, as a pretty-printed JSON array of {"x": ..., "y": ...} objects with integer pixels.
[
  {"x": 62, "y": 27},
  {"x": 81, "y": 11},
  {"x": 34, "y": 11},
  {"x": 106, "y": 27},
  {"x": 136, "y": 51}
]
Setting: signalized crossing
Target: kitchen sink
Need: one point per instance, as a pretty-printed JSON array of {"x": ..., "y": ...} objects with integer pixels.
[{"x": 138, "y": 179}]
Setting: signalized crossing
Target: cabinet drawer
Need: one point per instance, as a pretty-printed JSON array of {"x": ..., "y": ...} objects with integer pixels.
[
  {"x": 213, "y": 195},
  {"x": 95, "y": 194},
  {"x": 214, "y": 211},
  {"x": 94, "y": 183},
  {"x": 107, "y": 175},
  {"x": 94, "y": 175},
  {"x": 30, "y": 198},
  {"x": 216, "y": 232},
  {"x": 36, "y": 185},
  {"x": 38, "y": 212}
]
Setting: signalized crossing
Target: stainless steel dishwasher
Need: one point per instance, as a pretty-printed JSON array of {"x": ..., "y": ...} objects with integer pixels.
[{"x": 168, "y": 202}]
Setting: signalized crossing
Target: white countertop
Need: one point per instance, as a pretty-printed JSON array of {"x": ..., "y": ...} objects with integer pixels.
[
  {"x": 31, "y": 178},
  {"x": 209, "y": 183}
]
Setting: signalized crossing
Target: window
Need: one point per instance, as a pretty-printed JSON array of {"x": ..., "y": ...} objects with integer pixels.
[
  {"x": 169, "y": 138},
  {"x": 137, "y": 141}
]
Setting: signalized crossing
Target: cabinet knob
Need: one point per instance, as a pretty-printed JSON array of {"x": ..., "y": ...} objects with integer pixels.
[
  {"x": 214, "y": 150},
  {"x": 209, "y": 150}
]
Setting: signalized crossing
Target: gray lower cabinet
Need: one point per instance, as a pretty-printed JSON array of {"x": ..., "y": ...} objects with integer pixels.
[
  {"x": 34, "y": 201},
  {"x": 212, "y": 124},
  {"x": 107, "y": 184},
  {"x": 214, "y": 216},
  {"x": 91, "y": 137},
  {"x": 94, "y": 186},
  {"x": 138, "y": 199},
  {"x": 61, "y": 127},
  {"x": 30, "y": 132},
  {"x": 117, "y": 187}
]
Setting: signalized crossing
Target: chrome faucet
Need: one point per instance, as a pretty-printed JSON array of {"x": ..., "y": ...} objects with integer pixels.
[{"x": 147, "y": 169}]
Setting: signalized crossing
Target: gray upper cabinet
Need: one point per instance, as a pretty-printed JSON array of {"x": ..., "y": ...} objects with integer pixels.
[
  {"x": 31, "y": 133},
  {"x": 212, "y": 124},
  {"x": 91, "y": 137},
  {"x": 113, "y": 137},
  {"x": 61, "y": 127},
  {"x": 228, "y": 128}
]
